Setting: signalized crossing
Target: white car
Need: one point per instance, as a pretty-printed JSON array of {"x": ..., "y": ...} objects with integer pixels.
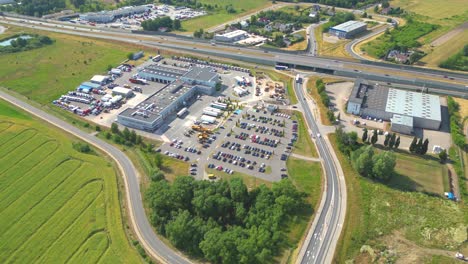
[{"x": 318, "y": 135}]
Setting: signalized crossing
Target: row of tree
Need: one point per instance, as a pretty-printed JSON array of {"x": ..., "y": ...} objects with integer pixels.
[
  {"x": 391, "y": 140},
  {"x": 161, "y": 22},
  {"x": 419, "y": 146},
  {"x": 320, "y": 85},
  {"x": 124, "y": 137},
  {"x": 456, "y": 123},
  {"x": 223, "y": 222}
]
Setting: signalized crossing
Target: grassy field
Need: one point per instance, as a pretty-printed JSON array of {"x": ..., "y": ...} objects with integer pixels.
[
  {"x": 418, "y": 174},
  {"x": 326, "y": 48},
  {"x": 452, "y": 46},
  {"x": 378, "y": 214},
  {"x": 302, "y": 45},
  {"x": 307, "y": 177},
  {"x": 304, "y": 145},
  {"x": 46, "y": 73},
  {"x": 57, "y": 205},
  {"x": 433, "y": 8},
  {"x": 243, "y": 7}
]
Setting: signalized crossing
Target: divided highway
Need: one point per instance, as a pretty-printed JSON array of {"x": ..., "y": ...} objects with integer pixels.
[
  {"x": 138, "y": 218},
  {"x": 326, "y": 230}
]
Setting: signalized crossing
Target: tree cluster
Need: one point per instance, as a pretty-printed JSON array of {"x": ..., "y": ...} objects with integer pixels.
[
  {"x": 161, "y": 22},
  {"x": 124, "y": 137},
  {"x": 456, "y": 123},
  {"x": 82, "y": 147},
  {"x": 347, "y": 142},
  {"x": 338, "y": 18},
  {"x": 392, "y": 141},
  {"x": 419, "y": 146},
  {"x": 340, "y": 3},
  {"x": 458, "y": 61},
  {"x": 21, "y": 44},
  {"x": 222, "y": 221},
  {"x": 39, "y": 8},
  {"x": 379, "y": 166}
]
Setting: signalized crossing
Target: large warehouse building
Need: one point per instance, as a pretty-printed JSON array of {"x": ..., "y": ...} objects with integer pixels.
[
  {"x": 181, "y": 86},
  {"x": 109, "y": 16},
  {"x": 232, "y": 36},
  {"x": 348, "y": 29},
  {"x": 405, "y": 109}
]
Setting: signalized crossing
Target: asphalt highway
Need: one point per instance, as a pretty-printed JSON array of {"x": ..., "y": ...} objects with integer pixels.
[
  {"x": 142, "y": 227},
  {"x": 331, "y": 212},
  {"x": 254, "y": 55}
]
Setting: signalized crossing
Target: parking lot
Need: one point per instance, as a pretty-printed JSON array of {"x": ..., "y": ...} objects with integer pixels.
[{"x": 250, "y": 142}]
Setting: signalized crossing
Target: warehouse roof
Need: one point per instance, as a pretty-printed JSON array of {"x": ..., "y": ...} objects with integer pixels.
[
  {"x": 413, "y": 104},
  {"x": 402, "y": 120},
  {"x": 151, "y": 108},
  {"x": 164, "y": 71},
  {"x": 121, "y": 90},
  {"x": 233, "y": 34},
  {"x": 90, "y": 84},
  {"x": 205, "y": 74},
  {"x": 359, "y": 91},
  {"x": 349, "y": 26},
  {"x": 99, "y": 78}
]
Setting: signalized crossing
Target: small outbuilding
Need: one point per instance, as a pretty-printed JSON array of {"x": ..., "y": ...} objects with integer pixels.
[
  {"x": 100, "y": 79},
  {"x": 126, "y": 93}
]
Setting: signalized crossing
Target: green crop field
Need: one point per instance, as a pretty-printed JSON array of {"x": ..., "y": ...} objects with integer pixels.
[
  {"x": 433, "y": 8},
  {"x": 243, "y": 7},
  {"x": 46, "y": 73},
  {"x": 57, "y": 205}
]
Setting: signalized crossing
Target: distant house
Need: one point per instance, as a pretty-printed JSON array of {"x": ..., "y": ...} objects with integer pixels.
[
  {"x": 385, "y": 11},
  {"x": 398, "y": 56},
  {"x": 263, "y": 20},
  {"x": 268, "y": 27},
  {"x": 244, "y": 24},
  {"x": 316, "y": 7},
  {"x": 313, "y": 14}
]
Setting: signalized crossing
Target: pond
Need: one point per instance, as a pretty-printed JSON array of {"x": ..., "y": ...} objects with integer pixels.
[{"x": 8, "y": 41}]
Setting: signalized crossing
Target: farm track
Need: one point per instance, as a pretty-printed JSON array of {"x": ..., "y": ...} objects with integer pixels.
[
  {"x": 84, "y": 197},
  {"x": 2, "y": 123},
  {"x": 89, "y": 239}
]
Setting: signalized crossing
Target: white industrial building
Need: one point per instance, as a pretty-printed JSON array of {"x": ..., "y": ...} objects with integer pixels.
[
  {"x": 182, "y": 85},
  {"x": 348, "y": 29},
  {"x": 232, "y": 36},
  {"x": 109, "y": 16},
  {"x": 405, "y": 109}
]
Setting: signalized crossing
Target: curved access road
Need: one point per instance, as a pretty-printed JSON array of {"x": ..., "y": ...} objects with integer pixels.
[
  {"x": 325, "y": 231},
  {"x": 351, "y": 45},
  {"x": 152, "y": 244}
]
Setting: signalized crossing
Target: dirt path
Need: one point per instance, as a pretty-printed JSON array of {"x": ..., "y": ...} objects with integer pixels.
[
  {"x": 447, "y": 36},
  {"x": 453, "y": 175},
  {"x": 410, "y": 252}
]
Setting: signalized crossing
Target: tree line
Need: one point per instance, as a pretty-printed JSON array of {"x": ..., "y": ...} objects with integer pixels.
[
  {"x": 339, "y": 3},
  {"x": 325, "y": 99},
  {"x": 23, "y": 44},
  {"x": 161, "y": 22},
  {"x": 456, "y": 123},
  {"x": 223, "y": 222},
  {"x": 338, "y": 18}
]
